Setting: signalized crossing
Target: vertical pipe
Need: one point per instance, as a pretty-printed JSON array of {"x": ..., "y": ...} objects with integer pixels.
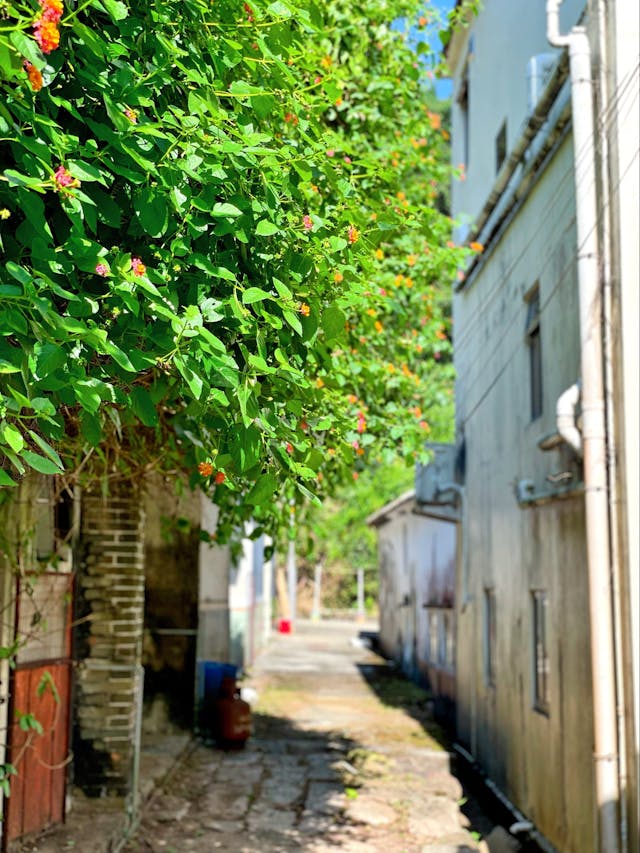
[
  {"x": 607, "y": 792},
  {"x": 317, "y": 591},
  {"x": 610, "y": 413},
  {"x": 360, "y": 574},
  {"x": 292, "y": 579}
]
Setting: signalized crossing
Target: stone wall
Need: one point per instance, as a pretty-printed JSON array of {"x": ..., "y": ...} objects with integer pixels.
[{"x": 110, "y": 613}]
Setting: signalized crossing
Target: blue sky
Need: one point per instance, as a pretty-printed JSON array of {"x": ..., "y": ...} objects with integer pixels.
[{"x": 442, "y": 87}]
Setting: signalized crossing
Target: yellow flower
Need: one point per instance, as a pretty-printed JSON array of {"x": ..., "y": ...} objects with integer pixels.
[
  {"x": 338, "y": 277},
  {"x": 379, "y": 254},
  {"x": 4, "y": 213},
  {"x": 378, "y": 326},
  {"x": 326, "y": 62}
]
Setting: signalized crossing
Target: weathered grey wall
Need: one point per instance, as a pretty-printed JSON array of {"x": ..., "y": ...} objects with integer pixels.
[{"x": 541, "y": 761}]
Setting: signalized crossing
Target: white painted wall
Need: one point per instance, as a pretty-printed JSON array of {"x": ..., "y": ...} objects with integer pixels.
[
  {"x": 497, "y": 46},
  {"x": 541, "y": 761},
  {"x": 417, "y": 558}
]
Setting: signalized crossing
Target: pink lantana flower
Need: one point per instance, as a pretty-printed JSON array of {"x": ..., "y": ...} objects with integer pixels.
[
  {"x": 138, "y": 267},
  {"x": 64, "y": 179}
]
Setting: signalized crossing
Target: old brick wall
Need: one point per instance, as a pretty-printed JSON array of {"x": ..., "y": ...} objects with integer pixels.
[{"x": 110, "y": 614}]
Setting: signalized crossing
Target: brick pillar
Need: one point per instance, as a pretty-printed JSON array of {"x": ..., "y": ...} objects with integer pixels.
[{"x": 110, "y": 597}]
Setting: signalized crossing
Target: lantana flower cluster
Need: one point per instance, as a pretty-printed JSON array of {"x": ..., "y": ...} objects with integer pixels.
[{"x": 45, "y": 27}]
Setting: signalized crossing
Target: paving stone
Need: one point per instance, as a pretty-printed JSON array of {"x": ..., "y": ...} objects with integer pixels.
[
  {"x": 271, "y": 820},
  {"x": 283, "y": 793},
  {"x": 167, "y": 809},
  {"x": 437, "y": 817},
  {"x": 320, "y": 767},
  {"x": 441, "y": 783},
  {"x": 226, "y": 803},
  {"x": 227, "y": 826},
  {"x": 371, "y": 811},
  {"x": 245, "y": 775},
  {"x": 324, "y": 798},
  {"x": 455, "y": 847},
  {"x": 316, "y": 824}
]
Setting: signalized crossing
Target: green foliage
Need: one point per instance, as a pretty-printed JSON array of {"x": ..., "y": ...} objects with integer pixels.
[
  {"x": 192, "y": 200},
  {"x": 337, "y": 534}
]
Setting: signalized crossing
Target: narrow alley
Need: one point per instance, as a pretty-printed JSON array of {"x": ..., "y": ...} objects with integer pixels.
[{"x": 344, "y": 756}]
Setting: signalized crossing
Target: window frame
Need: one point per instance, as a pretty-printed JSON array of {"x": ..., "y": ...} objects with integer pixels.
[
  {"x": 540, "y": 663},
  {"x": 501, "y": 146},
  {"x": 534, "y": 348},
  {"x": 490, "y": 631}
]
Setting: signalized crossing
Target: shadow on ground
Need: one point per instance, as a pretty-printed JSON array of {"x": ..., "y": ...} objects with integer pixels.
[
  {"x": 395, "y": 690},
  {"x": 289, "y": 789}
]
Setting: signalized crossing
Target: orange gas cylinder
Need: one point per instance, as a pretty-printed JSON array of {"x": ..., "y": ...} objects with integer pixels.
[{"x": 233, "y": 715}]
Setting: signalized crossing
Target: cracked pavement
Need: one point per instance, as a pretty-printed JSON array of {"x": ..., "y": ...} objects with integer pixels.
[{"x": 344, "y": 756}]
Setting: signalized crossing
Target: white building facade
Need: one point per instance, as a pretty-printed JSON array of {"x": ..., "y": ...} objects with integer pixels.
[{"x": 547, "y": 666}]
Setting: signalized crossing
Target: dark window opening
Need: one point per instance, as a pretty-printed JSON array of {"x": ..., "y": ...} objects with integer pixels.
[
  {"x": 501, "y": 146},
  {"x": 463, "y": 104},
  {"x": 540, "y": 651},
  {"x": 490, "y": 636},
  {"x": 534, "y": 344}
]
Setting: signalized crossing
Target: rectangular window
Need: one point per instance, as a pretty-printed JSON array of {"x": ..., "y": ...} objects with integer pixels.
[
  {"x": 501, "y": 146},
  {"x": 490, "y": 636},
  {"x": 433, "y": 636},
  {"x": 540, "y": 651},
  {"x": 532, "y": 335}
]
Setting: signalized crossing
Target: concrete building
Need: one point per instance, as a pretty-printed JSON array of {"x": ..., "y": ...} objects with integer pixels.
[
  {"x": 546, "y": 354},
  {"x": 417, "y": 576}
]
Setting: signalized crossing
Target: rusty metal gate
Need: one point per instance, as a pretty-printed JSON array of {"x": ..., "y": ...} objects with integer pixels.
[{"x": 40, "y": 704}]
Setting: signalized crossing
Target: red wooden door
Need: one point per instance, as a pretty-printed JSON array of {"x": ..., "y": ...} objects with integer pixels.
[{"x": 41, "y": 686}]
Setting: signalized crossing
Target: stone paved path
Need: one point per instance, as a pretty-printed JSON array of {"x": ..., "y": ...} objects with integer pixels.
[{"x": 344, "y": 758}]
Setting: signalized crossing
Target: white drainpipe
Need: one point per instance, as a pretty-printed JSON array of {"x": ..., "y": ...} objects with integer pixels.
[
  {"x": 566, "y": 417},
  {"x": 607, "y": 790}
]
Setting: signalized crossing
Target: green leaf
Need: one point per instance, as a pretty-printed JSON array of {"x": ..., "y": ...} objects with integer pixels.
[
  {"x": 246, "y": 452},
  {"x": 5, "y": 479},
  {"x": 293, "y": 320},
  {"x": 224, "y": 209},
  {"x": 262, "y": 490},
  {"x": 85, "y": 171},
  {"x": 194, "y": 381},
  {"x": 39, "y": 463},
  {"x": 27, "y": 47},
  {"x": 19, "y": 273},
  {"x": 46, "y": 448},
  {"x": 255, "y": 294},
  {"x": 117, "y": 10},
  {"x": 143, "y": 406},
  {"x": 333, "y": 322},
  {"x": 152, "y": 211},
  {"x": 12, "y": 436},
  {"x": 264, "y": 228}
]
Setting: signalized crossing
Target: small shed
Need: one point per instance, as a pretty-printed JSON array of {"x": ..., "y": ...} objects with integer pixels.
[{"x": 417, "y": 556}]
